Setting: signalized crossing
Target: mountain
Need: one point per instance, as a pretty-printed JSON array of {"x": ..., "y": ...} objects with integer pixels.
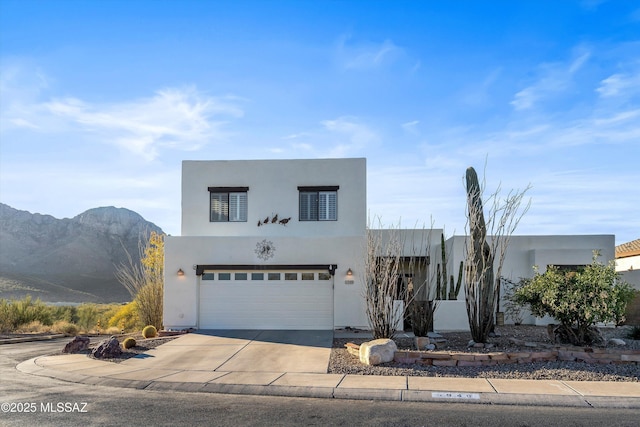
[{"x": 68, "y": 260}]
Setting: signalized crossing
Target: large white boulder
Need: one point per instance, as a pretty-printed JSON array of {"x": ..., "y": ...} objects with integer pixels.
[{"x": 377, "y": 351}]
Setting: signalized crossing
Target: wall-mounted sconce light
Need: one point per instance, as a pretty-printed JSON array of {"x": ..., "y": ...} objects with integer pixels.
[
  {"x": 349, "y": 272},
  {"x": 180, "y": 272}
]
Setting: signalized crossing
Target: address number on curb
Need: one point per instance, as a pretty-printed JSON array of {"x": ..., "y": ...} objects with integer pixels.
[{"x": 449, "y": 395}]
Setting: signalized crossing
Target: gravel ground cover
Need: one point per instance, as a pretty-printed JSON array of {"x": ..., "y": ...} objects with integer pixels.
[{"x": 342, "y": 362}]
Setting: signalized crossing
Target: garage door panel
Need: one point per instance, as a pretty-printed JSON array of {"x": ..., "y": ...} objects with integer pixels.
[{"x": 266, "y": 305}]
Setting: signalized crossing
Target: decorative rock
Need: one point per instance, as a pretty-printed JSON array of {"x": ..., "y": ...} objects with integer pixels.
[
  {"x": 434, "y": 335},
  {"x": 76, "y": 345},
  {"x": 377, "y": 351},
  {"x": 430, "y": 347},
  {"x": 422, "y": 342},
  {"x": 471, "y": 343},
  {"x": 353, "y": 349},
  {"x": 616, "y": 341},
  {"x": 107, "y": 349}
]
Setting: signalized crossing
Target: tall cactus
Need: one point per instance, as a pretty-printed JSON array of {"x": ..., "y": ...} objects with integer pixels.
[
  {"x": 441, "y": 276},
  {"x": 481, "y": 292},
  {"x": 454, "y": 289},
  {"x": 443, "y": 254}
]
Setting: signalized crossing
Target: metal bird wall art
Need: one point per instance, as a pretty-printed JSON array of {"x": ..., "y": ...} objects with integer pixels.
[{"x": 273, "y": 220}]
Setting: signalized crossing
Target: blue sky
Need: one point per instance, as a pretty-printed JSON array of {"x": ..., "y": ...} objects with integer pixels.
[{"x": 101, "y": 101}]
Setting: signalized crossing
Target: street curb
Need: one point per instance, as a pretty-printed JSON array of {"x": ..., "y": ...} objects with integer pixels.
[
  {"x": 29, "y": 339},
  {"x": 30, "y": 367}
]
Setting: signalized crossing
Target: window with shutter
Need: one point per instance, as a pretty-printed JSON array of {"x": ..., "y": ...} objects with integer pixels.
[
  {"x": 219, "y": 207},
  {"x": 308, "y": 206},
  {"x": 228, "y": 204},
  {"x": 237, "y": 206},
  {"x": 327, "y": 206},
  {"x": 318, "y": 203}
]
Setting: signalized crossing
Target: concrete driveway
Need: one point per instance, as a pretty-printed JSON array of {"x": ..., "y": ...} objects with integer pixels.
[{"x": 241, "y": 351}]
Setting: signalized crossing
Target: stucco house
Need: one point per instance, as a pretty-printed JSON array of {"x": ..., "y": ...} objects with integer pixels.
[
  {"x": 268, "y": 244},
  {"x": 628, "y": 265},
  {"x": 280, "y": 244},
  {"x": 628, "y": 262}
]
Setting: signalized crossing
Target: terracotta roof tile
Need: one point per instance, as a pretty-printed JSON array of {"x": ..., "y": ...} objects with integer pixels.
[{"x": 628, "y": 249}]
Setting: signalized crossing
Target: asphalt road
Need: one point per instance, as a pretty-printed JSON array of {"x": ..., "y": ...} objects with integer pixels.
[{"x": 52, "y": 402}]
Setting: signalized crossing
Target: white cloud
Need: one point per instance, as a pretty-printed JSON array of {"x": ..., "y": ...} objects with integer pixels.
[
  {"x": 366, "y": 55},
  {"x": 619, "y": 85},
  {"x": 174, "y": 118},
  {"x": 554, "y": 78},
  {"x": 353, "y": 136},
  {"x": 297, "y": 135},
  {"x": 411, "y": 127}
]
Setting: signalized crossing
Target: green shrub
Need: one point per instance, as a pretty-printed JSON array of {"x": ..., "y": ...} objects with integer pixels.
[
  {"x": 87, "y": 317},
  {"x": 149, "y": 331},
  {"x": 7, "y": 316},
  {"x": 16, "y": 313},
  {"x": 578, "y": 300},
  {"x": 64, "y": 313},
  {"x": 128, "y": 343}
]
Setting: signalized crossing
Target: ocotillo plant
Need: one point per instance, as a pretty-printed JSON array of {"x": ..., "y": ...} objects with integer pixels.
[{"x": 480, "y": 284}]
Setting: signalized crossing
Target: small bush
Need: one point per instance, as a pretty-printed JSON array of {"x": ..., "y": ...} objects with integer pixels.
[
  {"x": 64, "y": 327},
  {"x": 65, "y": 313},
  {"x": 7, "y": 316},
  {"x": 128, "y": 343},
  {"x": 578, "y": 300},
  {"x": 34, "y": 327},
  {"x": 149, "y": 331},
  {"x": 112, "y": 330},
  {"x": 87, "y": 317}
]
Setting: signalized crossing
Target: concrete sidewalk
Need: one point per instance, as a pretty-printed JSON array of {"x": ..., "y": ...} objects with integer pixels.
[{"x": 262, "y": 364}]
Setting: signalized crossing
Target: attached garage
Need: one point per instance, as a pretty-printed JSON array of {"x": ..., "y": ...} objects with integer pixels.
[{"x": 265, "y": 297}]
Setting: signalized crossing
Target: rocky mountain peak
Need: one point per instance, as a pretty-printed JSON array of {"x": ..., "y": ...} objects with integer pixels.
[
  {"x": 112, "y": 220},
  {"x": 68, "y": 259}
]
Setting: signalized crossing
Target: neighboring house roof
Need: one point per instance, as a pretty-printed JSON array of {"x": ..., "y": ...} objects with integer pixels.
[{"x": 628, "y": 249}]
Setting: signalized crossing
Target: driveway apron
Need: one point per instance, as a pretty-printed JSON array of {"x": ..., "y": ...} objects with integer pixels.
[{"x": 242, "y": 351}]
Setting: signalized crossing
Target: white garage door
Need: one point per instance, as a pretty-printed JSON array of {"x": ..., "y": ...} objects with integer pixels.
[{"x": 266, "y": 300}]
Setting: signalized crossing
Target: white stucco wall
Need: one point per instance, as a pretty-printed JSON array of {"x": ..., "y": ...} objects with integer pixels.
[
  {"x": 632, "y": 277},
  {"x": 526, "y": 251},
  {"x": 181, "y": 292},
  {"x": 628, "y": 263},
  {"x": 273, "y": 189}
]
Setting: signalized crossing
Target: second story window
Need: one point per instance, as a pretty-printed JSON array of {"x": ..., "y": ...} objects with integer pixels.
[
  {"x": 228, "y": 204},
  {"x": 318, "y": 203}
]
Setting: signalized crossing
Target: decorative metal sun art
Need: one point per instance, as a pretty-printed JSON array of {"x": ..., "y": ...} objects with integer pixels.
[{"x": 265, "y": 249}]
